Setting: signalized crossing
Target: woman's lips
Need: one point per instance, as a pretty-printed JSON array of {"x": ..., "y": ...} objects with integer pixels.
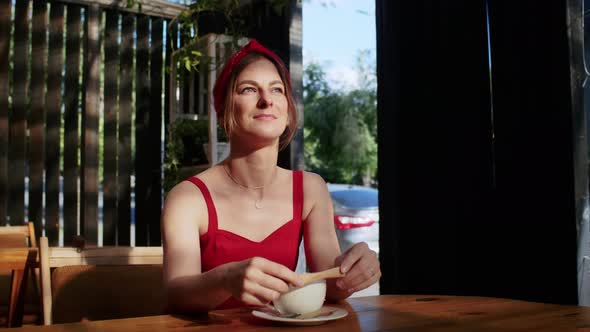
[{"x": 265, "y": 117}]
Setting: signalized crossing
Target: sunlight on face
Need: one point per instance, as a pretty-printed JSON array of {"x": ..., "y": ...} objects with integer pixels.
[{"x": 260, "y": 103}]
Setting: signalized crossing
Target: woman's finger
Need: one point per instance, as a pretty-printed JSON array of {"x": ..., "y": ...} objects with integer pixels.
[
  {"x": 252, "y": 300},
  {"x": 263, "y": 294},
  {"x": 360, "y": 272},
  {"x": 273, "y": 283},
  {"x": 366, "y": 283},
  {"x": 353, "y": 255},
  {"x": 281, "y": 272}
]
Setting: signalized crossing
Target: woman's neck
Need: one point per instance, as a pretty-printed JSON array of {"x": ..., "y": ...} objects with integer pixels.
[{"x": 252, "y": 168}]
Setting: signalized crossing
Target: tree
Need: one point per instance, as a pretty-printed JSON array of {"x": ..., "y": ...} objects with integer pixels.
[
  {"x": 340, "y": 129},
  {"x": 365, "y": 97}
]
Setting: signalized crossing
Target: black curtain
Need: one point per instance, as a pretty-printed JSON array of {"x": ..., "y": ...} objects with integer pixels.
[{"x": 478, "y": 164}]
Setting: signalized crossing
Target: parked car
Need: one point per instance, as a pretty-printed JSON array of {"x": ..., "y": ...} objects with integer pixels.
[{"x": 356, "y": 215}]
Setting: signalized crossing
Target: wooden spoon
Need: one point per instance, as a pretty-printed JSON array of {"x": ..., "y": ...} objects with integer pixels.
[{"x": 330, "y": 273}]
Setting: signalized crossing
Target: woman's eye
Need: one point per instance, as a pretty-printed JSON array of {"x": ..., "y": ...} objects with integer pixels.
[
  {"x": 248, "y": 90},
  {"x": 277, "y": 90}
]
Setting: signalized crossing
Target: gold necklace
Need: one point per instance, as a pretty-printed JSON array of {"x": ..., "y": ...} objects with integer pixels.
[{"x": 258, "y": 201}]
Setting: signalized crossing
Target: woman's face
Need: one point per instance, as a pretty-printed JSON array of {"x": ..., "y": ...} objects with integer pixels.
[{"x": 260, "y": 104}]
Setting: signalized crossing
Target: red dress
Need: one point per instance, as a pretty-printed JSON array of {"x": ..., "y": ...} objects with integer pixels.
[{"x": 219, "y": 246}]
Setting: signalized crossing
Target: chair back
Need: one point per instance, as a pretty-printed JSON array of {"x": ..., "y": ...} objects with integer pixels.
[
  {"x": 18, "y": 236},
  {"x": 16, "y": 261},
  {"x": 100, "y": 282}
]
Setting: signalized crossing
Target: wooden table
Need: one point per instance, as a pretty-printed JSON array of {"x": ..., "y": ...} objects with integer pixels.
[{"x": 374, "y": 313}]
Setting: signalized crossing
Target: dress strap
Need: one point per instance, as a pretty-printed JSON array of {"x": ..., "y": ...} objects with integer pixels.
[
  {"x": 212, "y": 227},
  {"x": 297, "y": 194}
]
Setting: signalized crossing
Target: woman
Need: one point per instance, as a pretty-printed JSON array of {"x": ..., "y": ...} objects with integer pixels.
[{"x": 231, "y": 233}]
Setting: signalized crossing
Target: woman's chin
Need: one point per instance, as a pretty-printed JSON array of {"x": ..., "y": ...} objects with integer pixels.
[
  {"x": 257, "y": 140},
  {"x": 265, "y": 134}
]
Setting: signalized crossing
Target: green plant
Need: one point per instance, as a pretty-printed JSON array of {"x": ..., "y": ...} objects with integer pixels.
[
  {"x": 184, "y": 147},
  {"x": 234, "y": 15},
  {"x": 134, "y": 3}
]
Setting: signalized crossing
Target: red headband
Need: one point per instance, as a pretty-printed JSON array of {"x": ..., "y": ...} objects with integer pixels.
[{"x": 222, "y": 80}]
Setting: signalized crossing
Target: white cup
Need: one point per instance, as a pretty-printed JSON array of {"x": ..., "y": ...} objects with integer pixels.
[{"x": 303, "y": 299}]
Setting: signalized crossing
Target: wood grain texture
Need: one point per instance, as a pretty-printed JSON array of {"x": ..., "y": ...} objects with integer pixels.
[
  {"x": 155, "y": 132},
  {"x": 159, "y": 8},
  {"x": 62, "y": 305},
  {"x": 377, "y": 313},
  {"x": 16, "y": 258},
  {"x": 142, "y": 118},
  {"x": 124, "y": 162},
  {"x": 36, "y": 119},
  {"x": 72, "y": 104},
  {"x": 5, "y": 26},
  {"x": 53, "y": 105},
  {"x": 18, "y": 117},
  {"x": 111, "y": 87},
  {"x": 89, "y": 145},
  {"x": 61, "y": 256}
]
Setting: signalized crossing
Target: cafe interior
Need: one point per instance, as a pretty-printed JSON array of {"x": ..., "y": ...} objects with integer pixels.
[{"x": 482, "y": 164}]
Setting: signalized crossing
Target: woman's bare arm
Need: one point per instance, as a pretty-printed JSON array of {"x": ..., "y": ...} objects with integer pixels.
[
  {"x": 188, "y": 289},
  {"x": 321, "y": 244},
  {"x": 359, "y": 263}
]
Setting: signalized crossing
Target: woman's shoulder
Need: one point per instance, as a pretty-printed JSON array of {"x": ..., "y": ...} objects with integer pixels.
[
  {"x": 185, "y": 206},
  {"x": 313, "y": 180},
  {"x": 315, "y": 192},
  {"x": 313, "y": 185},
  {"x": 184, "y": 194},
  {"x": 188, "y": 188}
]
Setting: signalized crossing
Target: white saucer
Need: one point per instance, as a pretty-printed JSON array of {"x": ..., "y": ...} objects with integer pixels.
[{"x": 336, "y": 314}]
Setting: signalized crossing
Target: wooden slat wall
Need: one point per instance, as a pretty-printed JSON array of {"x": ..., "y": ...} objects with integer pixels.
[
  {"x": 295, "y": 48},
  {"x": 5, "y": 24},
  {"x": 36, "y": 149},
  {"x": 133, "y": 62},
  {"x": 181, "y": 104},
  {"x": 171, "y": 43},
  {"x": 124, "y": 146},
  {"x": 53, "y": 106},
  {"x": 89, "y": 146},
  {"x": 142, "y": 119},
  {"x": 170, "y": 38},
  {"x": 160, "y": 8},
  {"x": 154, "y": 198},
  {"x": 71, "y": 118},
  {"x": 111, "y": 87},
  {"x": 18, "y": 125}
]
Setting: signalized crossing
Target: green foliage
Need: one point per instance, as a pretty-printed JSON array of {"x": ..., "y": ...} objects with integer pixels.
[
  {"x": 187, "y": 58},
  {"x": 181, "y": 133},
  {"x": 134, "y": 3},
  {"x": 341, "y": 127},
  {"x": 233, "y": 13}
]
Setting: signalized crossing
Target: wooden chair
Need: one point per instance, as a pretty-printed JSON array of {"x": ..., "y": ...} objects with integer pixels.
[
  {"x": 18, "y": 236},
  {"x": 100, "y": 282},
  {"x": 20, "y": 262}
]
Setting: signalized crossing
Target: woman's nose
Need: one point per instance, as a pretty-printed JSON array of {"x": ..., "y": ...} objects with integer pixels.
[{"x": 265, "y": 100}]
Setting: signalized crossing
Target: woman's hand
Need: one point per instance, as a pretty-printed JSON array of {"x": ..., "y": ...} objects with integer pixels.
[
  {"x": 361, "y": 266},
  {"x": 258, "y": 281}
]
